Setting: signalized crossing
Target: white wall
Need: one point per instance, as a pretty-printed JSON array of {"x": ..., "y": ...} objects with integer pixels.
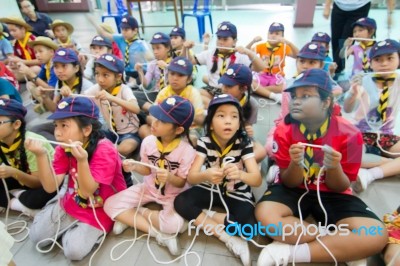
[{"x": 9, "y": 8}]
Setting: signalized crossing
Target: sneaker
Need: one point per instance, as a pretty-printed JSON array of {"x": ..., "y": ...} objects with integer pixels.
[
  {"x": 30, "y": 212},
  {"x": 273, "y": 172},
  {"x": 119, "y": 227},
  {"x": 364, "y": 178},
  {"x": 362, "y": 262},
  {"x": 277, "y": 97},
  {"x": 276, "y": 253},
  {"x": 170, "y": 242},
  {"x": 240, "y": 248}
]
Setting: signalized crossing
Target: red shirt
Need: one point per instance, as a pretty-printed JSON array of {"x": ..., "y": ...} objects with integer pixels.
[
  {"x": 341, "y": 136},
  {"x": 19, "y": 50}
]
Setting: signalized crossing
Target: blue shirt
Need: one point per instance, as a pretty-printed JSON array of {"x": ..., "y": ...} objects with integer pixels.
[
  {"x": 6, "y": 88},
  {"x": 137, "y": 51},
  {"x": 52, "y": 81},
  {"x": 5, "y": 48},
  {"x": 327, "y": 62},
  {"x": 41, "y": 24}
]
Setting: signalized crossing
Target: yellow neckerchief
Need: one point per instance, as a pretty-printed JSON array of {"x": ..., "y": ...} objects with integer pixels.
[
  {"x": 365, "y": 61},
  {"x": 114, "y": 92},
  {"x": 272, "y": 57},
  {"x": 67, "y": 42},
  {"x": 164, "y": 151},
  {"x": 384, "y": 97},
  {"x": 224, "y": 57},
  {"x": 68, "y": 150},
  {"x": 76, "y": 83},
  {"x": 48, "y": 72},
  {"x": 10, "y": 151},
  {"x": 161, "y": 81},
  {"x": 23, "y": 46},
  {"x": 185, "y": 93},
  {"x": 243, "y": 100},
  {"x": 128, "y": 45},
  {"x": 309, "y": 152}
]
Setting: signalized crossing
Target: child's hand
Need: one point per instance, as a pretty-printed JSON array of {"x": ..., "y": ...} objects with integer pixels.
[
  {"x": 35, "y": 146},
  {"x": 332, "y": 67},
  {"x": 161, "y": 64},
  {"x": 6, "y": 171},
  {"x": 257, "y": 39},
  {"x": 103, "y": 95},
  {"x": 188, "y": 44},
  {"x": 129, "y": 165},
  {"x": 162, "y": 175},
  {"x": 332, "y": 158},
  {"x": 232, "y": 172},
  {"x": 242, "y": 50},
  {"x": 65, "y": 91},
  {"x": 215, "y": 175},
  {"x": 327, "y": 11},
  {"x": 249, "y": 130},
  {"x": 78, "y": 151},
  {"x": 23, "y": 69},
  {"x": 49, "y": 33},
  {"x": 206, "y": 38},
  {"x": 296, "y": 152},
  {"x": 138, "y": 67},
  {"x": 348, "y": 42}
]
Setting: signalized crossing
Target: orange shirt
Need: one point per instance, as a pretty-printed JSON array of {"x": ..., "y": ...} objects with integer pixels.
[{"x": 275, "y": 57}]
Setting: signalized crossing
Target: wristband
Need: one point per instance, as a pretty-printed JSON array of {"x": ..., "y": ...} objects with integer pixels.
[{"x": 34, "y": 79}]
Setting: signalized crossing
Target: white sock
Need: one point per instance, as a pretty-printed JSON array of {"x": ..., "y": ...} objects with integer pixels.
[
  {"x": 376, "y": 172},
  {"x": 272, "y": 95},
  {"x": 16, "y": 205},
  {"x": 152, "y": 232},
  {"x": 224, "y": 237},
  {"x": 17, "y": 192},
  {"x": 302, "y": 253}
]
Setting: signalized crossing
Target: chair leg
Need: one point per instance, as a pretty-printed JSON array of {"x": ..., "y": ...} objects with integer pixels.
[
  {"x": 183, "y": 22},
  {"x": 201, "y": 26}
]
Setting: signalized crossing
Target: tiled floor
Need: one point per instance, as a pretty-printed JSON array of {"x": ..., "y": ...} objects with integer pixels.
[{"x": 382, "y": 196}]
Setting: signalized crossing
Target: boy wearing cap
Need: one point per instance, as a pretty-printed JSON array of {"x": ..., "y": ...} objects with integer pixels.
[
  {"x": 219, "y": 59},
  {"x": 273, "y": 52},
  {"x": 117, "y": 104},
  {"x": 133, "y": 48},
  {"x": 21, "y": 31},
  {"x": 63, "y": 35},
  {"x": 310, "y": 122},
  {"x": 365, "y": 30},
  {"x": 115, "y": 50},
  {"x": 374, "y": 103},
  {"x": 98, "y": 47},
  {"x": 178, "y": 37},
  {"x": 324, "y": 39},
  {"x": 6, "y": 48}
]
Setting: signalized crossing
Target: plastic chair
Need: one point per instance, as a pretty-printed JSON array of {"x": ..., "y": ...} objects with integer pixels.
[
  {"x": 200, "y": 16},
  {"x": 121, "y": 11}
]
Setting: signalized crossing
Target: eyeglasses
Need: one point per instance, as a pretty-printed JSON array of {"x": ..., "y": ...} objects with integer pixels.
[{"x": 6, "y": 121}]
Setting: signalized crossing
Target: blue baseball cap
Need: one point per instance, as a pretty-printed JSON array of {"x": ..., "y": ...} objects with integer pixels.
[
  {"x": 226, "y": 29},
  {"x": 75, "y": 106},
  {"x": 10, "y": 107},
  {"x": 387, "y": 46},
  {"x": 100, "y": 41},
  {"x": 237, "y": 74},
  {"x": 276, "y": 26},
  {"x": 176, "y": 110},
  {"x": 111, "y": 62},
  {"x": 129, "y": 22},
  {"x": 365, "y": 22},
  {"x": 160, "y": 37},
  {"x": 177, "y": 31},
  {"x": 65, "y": 56},
  {"x": 313, "y": 51},
  {"x": 321, "y": 37},
  {"x": 314, "y": 77},
  {"x": 223, "y": 99},
  {"x": 181, "y": 65}
]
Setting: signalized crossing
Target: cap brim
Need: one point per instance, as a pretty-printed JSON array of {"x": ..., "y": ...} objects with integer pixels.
[
  {"x": 61, "y": 115},
  {"x": 157, "y": 112},
  {"x": 304, "y": 84},
  {"x": 98, "y": 43},
  {"x": 227, "y": 81},
  {"x": 385, "y": 51},
  {"x": 311, "y": 57},
  {"x": 112, "y": 68},
  {"x": 51, "y": 45},
  {"x": 225, "y": 34},
  {"x": 178, "y": 70},
  {"x": 158, "y": 41}
]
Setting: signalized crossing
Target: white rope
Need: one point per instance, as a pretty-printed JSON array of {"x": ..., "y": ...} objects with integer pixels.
[{"x": 54, "y": 142}]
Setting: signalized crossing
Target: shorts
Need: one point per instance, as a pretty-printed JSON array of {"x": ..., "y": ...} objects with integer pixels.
[
  {"x": 121, "y": 137},
  {"x": 392, "y": 223},
  {"x": 338, "y": 206},
  {"x": 143, "y": 97},
  {"x": 386, "y": 141},
  {"x": 214, "y": 91},
  {"x": 267, "y": 79}
]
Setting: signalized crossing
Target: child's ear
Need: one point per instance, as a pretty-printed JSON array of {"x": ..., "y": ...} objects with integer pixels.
[
  {"x": 189, "y": 79},
  {"x": 179, "y": 130},
  {"x": 17, "y": 124},
  {"x": 87, "y": 131}
]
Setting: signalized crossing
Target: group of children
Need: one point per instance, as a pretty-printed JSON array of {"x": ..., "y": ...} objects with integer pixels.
[{"x": 197, "y": 147}]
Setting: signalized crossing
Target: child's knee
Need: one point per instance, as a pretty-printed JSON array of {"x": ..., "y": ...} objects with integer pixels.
[{"x": 74, "y": 252}]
